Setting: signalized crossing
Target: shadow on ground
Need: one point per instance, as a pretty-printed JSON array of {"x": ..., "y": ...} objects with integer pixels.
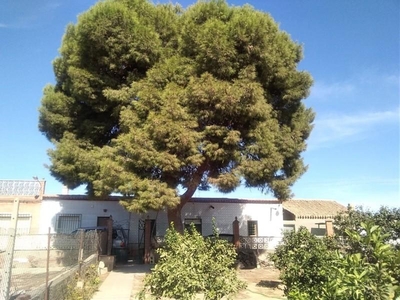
[
  {"x": 269, "y": 283},
  {"x": 133, "y": 268}
]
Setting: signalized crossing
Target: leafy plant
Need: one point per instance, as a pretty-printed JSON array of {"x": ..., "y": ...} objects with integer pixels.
[
  {"x": 370, "y": 273},
  {"x": 313, "y": 268},
  {"x": 190, "y": 264},
  {"x": 305, "y": 262},
  {"x": 387, "y": 218}
]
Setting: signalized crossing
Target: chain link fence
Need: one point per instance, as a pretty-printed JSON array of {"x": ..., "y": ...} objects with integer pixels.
[{"x": 31, "y": 264}]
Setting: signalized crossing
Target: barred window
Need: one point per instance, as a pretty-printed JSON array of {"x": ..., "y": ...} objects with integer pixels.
[
  {"x": 252, "y": 228},
  {"x": 23, "y": 223},
  {"x": 66, "y": 223}
]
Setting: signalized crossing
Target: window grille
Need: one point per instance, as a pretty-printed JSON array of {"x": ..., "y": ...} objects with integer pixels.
[
  {"x": 252, "y": 228},
  {"x": 66, "y": 223}
]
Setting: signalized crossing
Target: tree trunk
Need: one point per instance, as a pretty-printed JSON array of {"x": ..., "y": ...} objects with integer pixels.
[{"x": 174, "y": 215}]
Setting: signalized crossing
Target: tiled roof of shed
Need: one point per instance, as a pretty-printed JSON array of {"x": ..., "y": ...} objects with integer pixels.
[{"x": 313, "y": 208}]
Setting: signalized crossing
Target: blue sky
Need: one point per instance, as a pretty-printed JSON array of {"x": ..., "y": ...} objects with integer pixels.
[{"x": 351, "y": 48}]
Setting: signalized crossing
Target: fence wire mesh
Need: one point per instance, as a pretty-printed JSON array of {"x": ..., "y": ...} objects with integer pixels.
[{"x": 33, "y": 262}]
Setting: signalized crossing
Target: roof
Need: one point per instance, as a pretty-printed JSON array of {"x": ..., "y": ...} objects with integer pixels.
[
  {"x": 80, "y": 197},
  {"x": 313, "y": 208},
  {"x": 194, "y": 199},
  {"x": 234, "y": 200}
]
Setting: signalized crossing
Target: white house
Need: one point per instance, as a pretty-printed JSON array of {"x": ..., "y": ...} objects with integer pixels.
[
  {"x": 257, "y": 218},
  {"x": 260, "y": 221}
]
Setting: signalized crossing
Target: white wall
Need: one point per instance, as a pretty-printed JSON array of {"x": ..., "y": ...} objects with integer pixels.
[
  {"x": 268, "y": 216},
  {"x": 89, "y": 209}
]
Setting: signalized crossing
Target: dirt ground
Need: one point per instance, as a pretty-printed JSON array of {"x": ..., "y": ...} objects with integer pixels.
[{"x": 262, "y": 283}]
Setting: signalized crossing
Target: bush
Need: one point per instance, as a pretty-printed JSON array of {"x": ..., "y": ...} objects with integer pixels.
[
  {"x": 313, "y": 268},
  {"x": 190, "y": 264},
  {"x": 371, "y": 273},
  {"x": 305, "y": 262},
  {"x": 388, "y": 219}
]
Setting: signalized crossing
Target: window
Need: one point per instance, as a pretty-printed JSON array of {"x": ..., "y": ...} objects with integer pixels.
[
  {"x": 68, "y": 223},
  {"x": 252, "y": 228},
  {"x": 196, "y": 222},
  {"x": 288, "y": 227},
  {"x": 23, "y": 223}
]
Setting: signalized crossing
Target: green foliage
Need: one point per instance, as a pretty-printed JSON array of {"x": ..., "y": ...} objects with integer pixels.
[
  {"x": 305, "y": 262},
  {"x": 191, "y": 264},
  {"x": 314, "y": 269},
  {"x": 90, "y": 281},
  {"x": 371, "y": 273},
  {"x": 388, "y": 219},
  {"x": 151, "y": 99}
]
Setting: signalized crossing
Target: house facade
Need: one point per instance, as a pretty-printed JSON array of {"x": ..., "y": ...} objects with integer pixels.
[
  {"x": 29, "y": 194},
  {"x": 257, "y": 218},
  {"x": 260, "y": 221}
]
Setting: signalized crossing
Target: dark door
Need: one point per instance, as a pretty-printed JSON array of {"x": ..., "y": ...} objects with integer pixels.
[{"x": 102, "y": 221}]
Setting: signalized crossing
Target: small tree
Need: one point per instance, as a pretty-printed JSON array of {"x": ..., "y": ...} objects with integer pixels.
[
  {"x": 304, "y": 261},
  {"x": 372, "y": 273},
  {"x": 191, "y": 264},
  {"x": 313, "y": 268},
  {"x": 388, "y": 219}
]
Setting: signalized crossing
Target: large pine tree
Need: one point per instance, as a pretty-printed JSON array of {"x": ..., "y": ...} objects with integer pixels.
[{"x": 154, "y": 102}]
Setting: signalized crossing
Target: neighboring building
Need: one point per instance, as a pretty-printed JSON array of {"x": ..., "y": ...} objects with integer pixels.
[
  {"x": 30, "y": 195},
  {"x": 311, "y": 214}
]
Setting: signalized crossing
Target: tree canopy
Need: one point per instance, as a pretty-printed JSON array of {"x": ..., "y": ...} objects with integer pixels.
[{"x": 156, "y": 101}]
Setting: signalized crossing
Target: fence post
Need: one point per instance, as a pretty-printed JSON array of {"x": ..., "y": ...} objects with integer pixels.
[
  {"x": 235, "y": 226},
  {"x": 80, "y": 254},
  {"x": 46, "y": 295},
  {"x": 109, "y": 235},
  {"x": 147, "y": 240},
  {"x": 6, "y": 272}
]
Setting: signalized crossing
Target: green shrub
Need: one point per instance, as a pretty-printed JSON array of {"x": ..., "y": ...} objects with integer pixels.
[
  {"x": 388, "y": 219},
  {"x": 305, "y": 262},
  {"x": 372, "y": 272},
  {"x": 313, "y": 268},
  {"x": 190, "y": 264}
]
